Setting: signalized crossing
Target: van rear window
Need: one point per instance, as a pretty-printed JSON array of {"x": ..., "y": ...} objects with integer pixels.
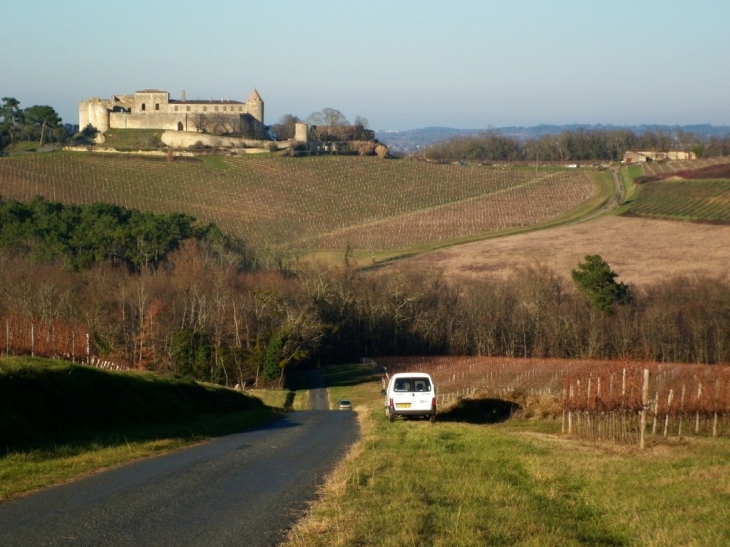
[{"x": 412, "y": 384}]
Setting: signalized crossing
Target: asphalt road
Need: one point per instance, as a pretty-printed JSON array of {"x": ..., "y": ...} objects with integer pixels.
[{"x": 244, "y": 489}]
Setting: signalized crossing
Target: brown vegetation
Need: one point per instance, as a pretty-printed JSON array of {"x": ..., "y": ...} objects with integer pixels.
[{"x": 641, "y": 251}]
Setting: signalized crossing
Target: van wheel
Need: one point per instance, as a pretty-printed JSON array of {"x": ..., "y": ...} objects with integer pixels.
[
  {"x": 391, "y": 416},
  {"x": 432, "y": 418}
]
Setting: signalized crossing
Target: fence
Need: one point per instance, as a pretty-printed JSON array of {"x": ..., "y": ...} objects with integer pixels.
[{"x": 52, "y": 339}]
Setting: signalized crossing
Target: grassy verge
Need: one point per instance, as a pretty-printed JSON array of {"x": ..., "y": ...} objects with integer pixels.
[
  {"x": 628, "y": 174},
  {"x": 515, "y": 483},
  {"x": 60, "y": 421},
  {"x": 284, "y": 399}
]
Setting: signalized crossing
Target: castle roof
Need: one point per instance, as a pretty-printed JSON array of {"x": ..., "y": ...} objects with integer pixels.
[
  {"x": 151, "y": 91},
  {"x": 222, "y": 101},
  {"x": 254, "y": 96}
]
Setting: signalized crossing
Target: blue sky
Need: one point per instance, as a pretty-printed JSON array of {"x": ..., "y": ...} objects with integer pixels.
[{"x": 402, "y": 64}]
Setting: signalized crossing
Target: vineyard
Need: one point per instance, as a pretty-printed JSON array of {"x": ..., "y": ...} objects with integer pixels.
[
  {"x": 697, "y": 191},
  {"x": 597, "y": 399},
  {"x": 316, "y": 202},
  {"x": 51, "y": 339},
  {"x": 707, "y": 200}
]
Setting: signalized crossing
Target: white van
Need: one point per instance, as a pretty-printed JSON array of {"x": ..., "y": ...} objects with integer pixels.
[{"x": 410, "y": 394}]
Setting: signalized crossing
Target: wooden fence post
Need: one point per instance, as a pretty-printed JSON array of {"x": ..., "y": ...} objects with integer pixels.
[{"x": 644, "y": 407}]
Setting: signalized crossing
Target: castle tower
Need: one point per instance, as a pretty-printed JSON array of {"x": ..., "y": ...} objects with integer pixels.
[
  {"x": 301, "y": 132},
  {"x": 94, "y": 111},
  {"x": 255, "y": 106}
]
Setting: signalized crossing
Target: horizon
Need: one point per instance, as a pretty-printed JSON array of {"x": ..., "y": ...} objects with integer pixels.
[{"x": 410, "y": 65}]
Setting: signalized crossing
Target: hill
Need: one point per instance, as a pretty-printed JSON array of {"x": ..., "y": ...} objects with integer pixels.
[
  {"x": 328, "y": 202},
  {"x": 674, "y": 223},
  {"x": 44, "y": 401}
]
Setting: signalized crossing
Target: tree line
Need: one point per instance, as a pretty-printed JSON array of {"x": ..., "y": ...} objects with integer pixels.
[
  {"x": 578, "y": 145},
  {"x": 198, "y": 316},
  {"x": 36, "y": 123}
]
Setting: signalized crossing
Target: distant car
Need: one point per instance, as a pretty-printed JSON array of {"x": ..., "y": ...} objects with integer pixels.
[{"x": 345, "y": 405}]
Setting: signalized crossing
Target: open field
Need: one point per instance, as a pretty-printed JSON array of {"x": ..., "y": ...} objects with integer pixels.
[
  {"x": 640, "y": 250},
  {"x": 316, "y": 202},
  {"x": 515, "y": 482}
]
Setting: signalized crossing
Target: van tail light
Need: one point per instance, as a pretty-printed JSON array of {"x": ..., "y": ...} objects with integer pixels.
[
  {"x": 391, "y": 402},
  {"x": 433, "y": 402}
]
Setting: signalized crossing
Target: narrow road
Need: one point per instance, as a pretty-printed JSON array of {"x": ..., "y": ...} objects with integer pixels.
[{"x": 244, "y": 489}]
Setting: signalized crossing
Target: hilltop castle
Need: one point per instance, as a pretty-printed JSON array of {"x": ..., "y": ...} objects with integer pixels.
[{"x": 153, "y": 109}]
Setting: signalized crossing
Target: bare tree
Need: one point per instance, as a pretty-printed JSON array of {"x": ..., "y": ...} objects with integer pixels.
[{"x": 328, "y": 117}]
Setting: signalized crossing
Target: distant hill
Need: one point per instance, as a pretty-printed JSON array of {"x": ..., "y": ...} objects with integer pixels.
[{"x": 414, "y": 139}]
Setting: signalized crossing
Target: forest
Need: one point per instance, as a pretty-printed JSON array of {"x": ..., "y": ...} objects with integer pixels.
[
  {"x": 199, "y": 316},
  {"x": 82, "y": 235}
]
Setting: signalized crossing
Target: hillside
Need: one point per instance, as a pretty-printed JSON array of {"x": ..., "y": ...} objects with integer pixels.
[
  {"x": 325, "y": 202},
  {"x": 44, "y": 401},
  {"x": 674, "y": 223}
]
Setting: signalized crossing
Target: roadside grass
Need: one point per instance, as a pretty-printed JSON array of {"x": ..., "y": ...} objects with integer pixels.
[
  {"x": 284, "y": 399},
  {"x": 60, "y": 420},
  {"x": 353, "y": 382},
  {"x": 627, "y": 175},
  {"x": 515, "y": 483}
]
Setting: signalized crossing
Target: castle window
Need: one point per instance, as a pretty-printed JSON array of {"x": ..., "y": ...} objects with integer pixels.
[
  {"x": 175, "y": 108},
  {"x": 224, "y": 108},
  {"x": 143, "y": 106},
  {"x": 216, "y": 109},
  {"x": 187, "y": 108},
  {"x": 205, "y": 109},
  {"x": 157, "y": 106}
]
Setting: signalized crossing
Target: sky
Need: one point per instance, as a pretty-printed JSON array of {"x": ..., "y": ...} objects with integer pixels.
[{"x": 401, "y": 64}]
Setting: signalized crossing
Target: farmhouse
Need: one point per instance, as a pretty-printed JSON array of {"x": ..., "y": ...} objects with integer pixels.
[
  {"x": 634, "y": 156},
  {"x": 153, "y": 109}
]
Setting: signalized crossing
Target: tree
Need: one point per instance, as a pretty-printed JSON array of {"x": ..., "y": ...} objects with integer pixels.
[
  {"x": 284, "y": 129},
  {"x": 11, "y": 117},
  {"x": 43, "y": 122},
  {"x": 361, "y": 121},
  {"x": 328, "y": 117},
  {"x": 596, "y": 280}
]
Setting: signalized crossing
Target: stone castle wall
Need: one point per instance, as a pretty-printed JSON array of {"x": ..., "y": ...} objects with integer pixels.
[
  {"x": 187, "y": 139},
  {"x": 152, "y": 109}
]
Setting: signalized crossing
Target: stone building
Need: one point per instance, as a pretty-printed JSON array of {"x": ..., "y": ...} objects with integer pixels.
[
  {"x": 153, "y": 109},
  {"x": 643, "y": 156}
]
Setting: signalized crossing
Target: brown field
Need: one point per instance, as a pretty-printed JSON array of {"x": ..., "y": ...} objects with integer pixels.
[{"x": 640, "y": 250}]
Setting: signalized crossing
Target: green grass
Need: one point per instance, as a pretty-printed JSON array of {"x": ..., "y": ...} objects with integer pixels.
[
  {"x": 348, "y": 381},
  {"x": 61, "y": 420},
  {"x": 284, "y": 399},
  {"x": 515, "y": 483},
  {"x": 133, "y": 139}
]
